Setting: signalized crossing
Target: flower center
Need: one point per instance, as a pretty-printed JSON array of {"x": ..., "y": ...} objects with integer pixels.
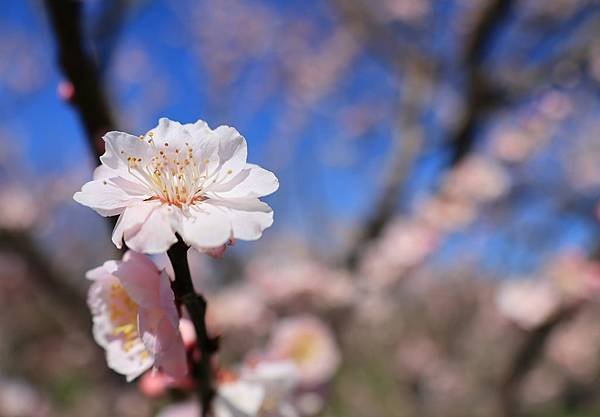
[
  {"x": 123, "y": 313},
  {"x": 174, "y": 175}
]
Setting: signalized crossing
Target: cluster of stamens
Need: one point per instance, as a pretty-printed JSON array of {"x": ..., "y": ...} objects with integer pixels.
[
  {"x": 123, "y": 312},
  {"x": 174, "y": 175}
]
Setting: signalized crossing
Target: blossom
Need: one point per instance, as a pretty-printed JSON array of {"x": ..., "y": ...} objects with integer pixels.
[
  {"x": 135, "y": 317},
  {"x": 180, "y": 179},
  {"x": 264, "y": 390},
  {"x": 528, "y": 302},
  {"x": 308, "y": 342}
]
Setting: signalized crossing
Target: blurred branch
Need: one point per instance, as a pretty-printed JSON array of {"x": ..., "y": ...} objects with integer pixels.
[
  {"x": 527, "y": 356},
  {"x": 407, "y": 141},
  {"x": 481, "y": 94},
  {"x": 80, "y": 70},
  {"x": 47, "y": 277},
  {"x": 403, "y": 60}
]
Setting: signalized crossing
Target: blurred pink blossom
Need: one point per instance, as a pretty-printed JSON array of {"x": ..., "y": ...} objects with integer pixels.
[
  {"x": 528, "y": 302},
  {"x": 310, "y": 344},
  {"x": 238, "y": 311},
  {"x": 404, "y": 244},
  {"x": 478, "y": 179},
  {"x": 297, "y": 282}
]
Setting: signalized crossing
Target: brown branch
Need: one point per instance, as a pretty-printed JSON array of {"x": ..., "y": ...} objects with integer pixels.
[
  {"x": 527, "y": 356},
  {"x": 196, "y": 307},
  {"x": 47, "y": 277},
  {"x": 403, "y": 60},
  {"x": 480, "y": 93},
  {"x": 80, "y": 70}
]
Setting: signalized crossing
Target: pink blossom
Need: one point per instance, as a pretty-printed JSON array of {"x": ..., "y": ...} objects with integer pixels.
[
  {"x": 310, "y": 344},
  {"x": 300, "y": 282},
  {"x": 135, "y": 317},
  {"x": 528, "y": 302}
]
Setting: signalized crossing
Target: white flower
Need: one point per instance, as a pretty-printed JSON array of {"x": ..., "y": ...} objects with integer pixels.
[{"x": 186, "y": 179}]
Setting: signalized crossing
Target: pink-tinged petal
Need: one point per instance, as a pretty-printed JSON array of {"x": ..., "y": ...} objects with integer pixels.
[
  {"x": 131, "y": 221},
  {"x": 120, "y": 146},
  {"x": 164, "y": 343},
  {"x": 206, "y": 226},
  {"x": 171, "y": 359},
  {"x": 253, "y": 181},
  {"x": 140, "y": 278},
  {"x": 167, "y": 299},
  {"x": 106, "y": 197},
  {"x": 232, "y": 152},
  {"x": 153, "y": 384},
  {"x": 248, "y": 217},
  {"x": 163, "y": 263},
  {"x": 156, "y": 233}
]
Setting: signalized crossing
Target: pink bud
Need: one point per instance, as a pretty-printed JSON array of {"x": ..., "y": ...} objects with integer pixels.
[{"x": 65, "y": 91}]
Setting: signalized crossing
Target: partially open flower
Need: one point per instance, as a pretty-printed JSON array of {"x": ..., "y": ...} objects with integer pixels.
[
  {"x": 135, "y": 317},
  {"x": 186, "y": 179}
]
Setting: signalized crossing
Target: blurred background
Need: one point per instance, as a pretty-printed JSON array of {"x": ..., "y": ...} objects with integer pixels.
[{"x": 436, "y": 239}]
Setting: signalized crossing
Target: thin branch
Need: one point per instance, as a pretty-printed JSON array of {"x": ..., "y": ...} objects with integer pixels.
[
  {"x": 47, "y": 277},
  {"x": 196, "y": 307},
  {"x": 80, "y": 70},
  {"x": 527, "y": 356},
  {"x": 480, "y": 93}
]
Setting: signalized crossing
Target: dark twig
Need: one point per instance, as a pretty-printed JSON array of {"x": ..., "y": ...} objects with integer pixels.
[
  {"x": 80, "y": 70},
  {"x": 196, "y": 307},
  {"x": 46, "y": 276},
  {"x": 480, "y": 93},
  {"x": 527, "y": 356}
]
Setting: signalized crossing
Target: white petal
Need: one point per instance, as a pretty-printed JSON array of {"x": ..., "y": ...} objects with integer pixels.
[
  {"x": 130, "y": 221},
  {"x": 248, "y": 217},
  {"x": 171, "y": 132},
  {"x": 107, "y": 269},
  {"x": 253, "y": 181},
  {"x": 155, "y": 235},
  {"x": 106, "y": 197},
  {"x": 120, "y": 146},
  {"x": 232, "y": 152},
  {"x": 206, "y": 226},
  {"x": 131, "y": 363}
]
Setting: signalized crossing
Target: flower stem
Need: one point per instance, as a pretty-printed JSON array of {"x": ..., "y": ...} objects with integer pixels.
[{"x": 196, "y": 307}]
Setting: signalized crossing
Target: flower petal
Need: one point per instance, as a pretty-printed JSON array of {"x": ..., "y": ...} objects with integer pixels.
[
  {"x": 248, "y": 217},
  {"x": 140, "y": 278},
  {"x": 155, "y": 234},
  {"x": 206, "y": 226},
  {"x": 171, "y": 133},
  {"x": 131, "y": 220},
  {"x": 233, "y": 152},
  {"x": 120, "y": 146},
  {"x": 253, "y": 181},
  {"x": 106, "y": 196}
]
